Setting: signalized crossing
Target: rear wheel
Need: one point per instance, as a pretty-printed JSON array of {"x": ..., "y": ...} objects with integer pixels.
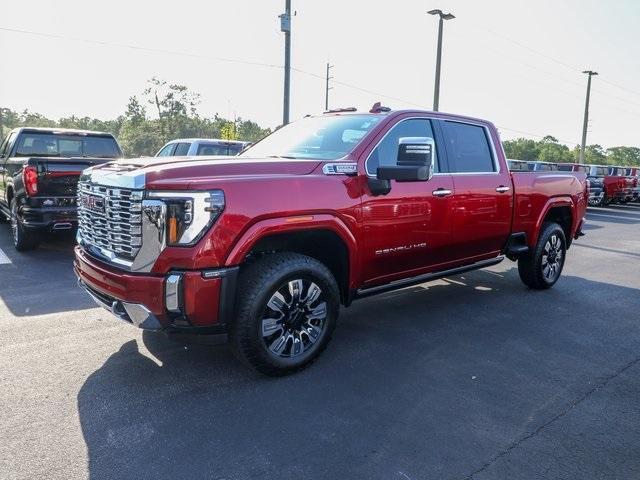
[
  {"x": 285, "y": 314},
  {"x": 23, "y": 240},
  {"x": 541, "y": 268}
]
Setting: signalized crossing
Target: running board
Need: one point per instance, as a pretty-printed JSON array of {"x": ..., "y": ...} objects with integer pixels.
[{"x": 407, "y": 282}]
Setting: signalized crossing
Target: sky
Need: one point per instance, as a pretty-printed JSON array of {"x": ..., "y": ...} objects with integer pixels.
[{"x": 517, "y": 63}]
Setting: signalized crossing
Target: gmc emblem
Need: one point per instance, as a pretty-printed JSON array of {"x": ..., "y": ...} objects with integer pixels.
[{"x": 93, "y": 203}]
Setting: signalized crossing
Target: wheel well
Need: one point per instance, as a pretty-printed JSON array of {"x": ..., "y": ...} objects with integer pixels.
[
  {"x": 323, "y": 245},
  {"x": 563, "y": 217}
]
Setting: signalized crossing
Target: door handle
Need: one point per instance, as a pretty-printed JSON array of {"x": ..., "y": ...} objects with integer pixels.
[
  {"x": 502, "y": 189},
  {"x": 442, "y": 192}
]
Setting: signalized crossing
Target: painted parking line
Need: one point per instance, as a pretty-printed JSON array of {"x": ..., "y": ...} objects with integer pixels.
[{"x": 3, "y": 258}]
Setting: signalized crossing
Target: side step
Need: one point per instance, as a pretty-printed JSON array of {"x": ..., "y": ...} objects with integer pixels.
[{"x": 407, "y": 282}]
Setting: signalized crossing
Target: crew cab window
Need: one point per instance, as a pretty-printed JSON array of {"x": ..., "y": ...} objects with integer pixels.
[
  {"x": 386, "y": 152},
  {"x": 468, "y": 148},
  {"x": 182, "y": 149},
  {"x": 565, "y": 167}
]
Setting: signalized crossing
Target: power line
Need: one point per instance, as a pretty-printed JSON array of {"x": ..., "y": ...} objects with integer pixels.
[{"x": 145, "y": 49}]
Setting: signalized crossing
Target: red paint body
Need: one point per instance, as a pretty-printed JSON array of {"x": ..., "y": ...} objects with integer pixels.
[{"x": 275, "y": 196}]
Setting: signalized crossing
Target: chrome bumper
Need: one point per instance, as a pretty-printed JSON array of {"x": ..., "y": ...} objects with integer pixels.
[{"x": 134, "y": 314}]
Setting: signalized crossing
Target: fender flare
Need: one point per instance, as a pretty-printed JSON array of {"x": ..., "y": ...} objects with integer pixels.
[
  {"x": 563, "y": 201},
  {"x": 298, "y": 223}
]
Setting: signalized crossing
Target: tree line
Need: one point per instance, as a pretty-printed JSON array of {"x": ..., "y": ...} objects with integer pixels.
[
  {"x": 175, "y": 115},
  {"x": 550, "y": 150}
]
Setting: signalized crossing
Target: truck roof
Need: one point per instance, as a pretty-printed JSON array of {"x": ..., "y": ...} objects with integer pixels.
[
  {"x": 217, "y": 140},
  {"x": 409, "y": 111},
  {"x": 56, "y": 130}
]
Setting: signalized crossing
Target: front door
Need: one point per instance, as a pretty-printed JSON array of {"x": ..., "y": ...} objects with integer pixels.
[{"x": 406, "y": 232}]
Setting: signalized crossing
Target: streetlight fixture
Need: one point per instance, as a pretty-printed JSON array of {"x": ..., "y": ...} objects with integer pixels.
[
  {"x": 583, "y": 145},
  {"x": 443, "y": 17}
]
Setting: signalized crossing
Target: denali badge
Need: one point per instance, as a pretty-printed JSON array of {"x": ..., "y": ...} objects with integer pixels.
[
  {"x": 340, "y": 169},
  {"x": 402, "y": 248}
]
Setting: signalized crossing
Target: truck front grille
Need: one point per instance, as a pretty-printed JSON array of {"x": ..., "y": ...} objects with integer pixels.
[{"x": 110, "y": 218}]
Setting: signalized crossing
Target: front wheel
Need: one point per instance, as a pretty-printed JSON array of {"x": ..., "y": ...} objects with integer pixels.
[
  {"x": 23, "y": 240},
  {"x": 541, "y": 268},
  {"x": 286, "y": 312}
]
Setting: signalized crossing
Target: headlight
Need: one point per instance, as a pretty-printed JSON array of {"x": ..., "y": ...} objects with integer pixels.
[{"x": 189, "y": 214}]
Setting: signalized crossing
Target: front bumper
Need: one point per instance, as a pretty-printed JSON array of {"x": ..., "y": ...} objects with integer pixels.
[{"x": 185, "y": 301}]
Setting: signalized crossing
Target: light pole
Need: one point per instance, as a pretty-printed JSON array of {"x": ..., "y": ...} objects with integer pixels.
[
  {"x": 285, "y": 26},
  {"x": 583, "y": 145},
  {"x": 436, "y": 89},
  {"x": 327, "y": 88}
]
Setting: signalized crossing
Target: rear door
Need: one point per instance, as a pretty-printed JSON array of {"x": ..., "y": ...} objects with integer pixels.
[
  {"x": 407, "y": 231},
  {"x": 482, "y": 204}
]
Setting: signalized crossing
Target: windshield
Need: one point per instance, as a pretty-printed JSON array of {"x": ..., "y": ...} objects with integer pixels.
[
  {"x": 36, "y": 144},
  {"x": 322, "y": 138}
]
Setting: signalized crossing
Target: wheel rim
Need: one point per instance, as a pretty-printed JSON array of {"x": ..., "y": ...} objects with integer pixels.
[
  {"x": 294, "y": 319},
  {"x": 14, "y": 222},
  {"x": 552, "y": 258}
]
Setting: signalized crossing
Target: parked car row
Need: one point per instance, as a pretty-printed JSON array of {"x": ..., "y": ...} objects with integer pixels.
[{"x": 608, "y": 184}]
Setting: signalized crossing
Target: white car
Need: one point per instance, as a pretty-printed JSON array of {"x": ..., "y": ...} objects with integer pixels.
[{"x": 183, "y": 147}]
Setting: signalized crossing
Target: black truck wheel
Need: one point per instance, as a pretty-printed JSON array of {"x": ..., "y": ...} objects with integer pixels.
[
  {"x": 541, "y": 268},
  {"x": 286, "y": 311},
  {"x": 23, "y": 240}
]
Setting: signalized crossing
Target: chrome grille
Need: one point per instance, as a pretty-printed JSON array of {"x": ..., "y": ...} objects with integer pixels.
[{"x": 110, "y": 218}]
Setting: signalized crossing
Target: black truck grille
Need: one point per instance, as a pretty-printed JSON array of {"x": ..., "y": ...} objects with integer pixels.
[{"x": 110, "y": 218}]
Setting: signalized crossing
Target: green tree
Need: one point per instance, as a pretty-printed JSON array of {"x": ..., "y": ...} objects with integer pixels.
[
  {"x": 521, "y": 149},
  {"x": 623, "y": 156}
]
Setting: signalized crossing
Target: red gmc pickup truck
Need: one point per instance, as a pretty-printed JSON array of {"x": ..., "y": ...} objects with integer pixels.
[{"x": 267, "y": 246}]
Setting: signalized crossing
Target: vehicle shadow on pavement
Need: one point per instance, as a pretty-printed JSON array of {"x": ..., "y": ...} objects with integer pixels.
[
  {"x": 432, "y": 381},
  {"x": 42, "y": 281}
]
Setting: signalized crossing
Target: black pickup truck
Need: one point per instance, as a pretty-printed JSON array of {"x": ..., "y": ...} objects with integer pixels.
[{"x": 39, "y": 171}]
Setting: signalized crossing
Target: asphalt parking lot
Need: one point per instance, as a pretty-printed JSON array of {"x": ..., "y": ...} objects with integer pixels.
[{"x": 470, "y": 377}]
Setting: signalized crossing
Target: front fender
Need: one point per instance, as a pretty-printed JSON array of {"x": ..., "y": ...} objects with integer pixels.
[{"x": 298, "y": 223}]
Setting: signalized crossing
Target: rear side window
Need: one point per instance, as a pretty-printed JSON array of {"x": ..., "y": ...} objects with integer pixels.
[
  {"x": 182, "y": 149},
  {"x": 386, "y": 152},
  {"x": 467, "y": 148}
]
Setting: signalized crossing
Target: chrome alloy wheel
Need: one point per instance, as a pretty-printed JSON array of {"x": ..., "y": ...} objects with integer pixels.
[
  {"x": 552, "y": 258},
  {"x": 294, "y": 319}
]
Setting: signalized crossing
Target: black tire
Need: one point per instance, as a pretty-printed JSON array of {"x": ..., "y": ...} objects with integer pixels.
[
  {"x": 541, "y": 268},
  {"x": 23, "y": 240},
  {"x": 279, "y": 341}
]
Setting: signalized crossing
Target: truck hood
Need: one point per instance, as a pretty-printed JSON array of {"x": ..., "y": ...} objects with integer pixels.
[{"x": 192, "y": 172}]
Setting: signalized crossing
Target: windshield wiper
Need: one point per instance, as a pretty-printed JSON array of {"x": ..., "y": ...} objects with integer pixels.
[{"x": 282, "y": 156}]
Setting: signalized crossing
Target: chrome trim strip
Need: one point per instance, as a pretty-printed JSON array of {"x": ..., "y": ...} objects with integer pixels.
[{"x": 172, "y": 295}]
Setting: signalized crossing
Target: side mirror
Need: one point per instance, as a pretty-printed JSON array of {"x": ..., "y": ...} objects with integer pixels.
[{"x": 414, "y": 162}]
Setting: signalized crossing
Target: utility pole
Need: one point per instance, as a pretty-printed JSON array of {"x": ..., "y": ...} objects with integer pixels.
[
  {"x": 327, "y": 88},
  {"x": 436, "y": 88},
  {"x": 1, "y": 127},
  {"x": 285, "y": 26},
  {"x": 583, "y": 145}
]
